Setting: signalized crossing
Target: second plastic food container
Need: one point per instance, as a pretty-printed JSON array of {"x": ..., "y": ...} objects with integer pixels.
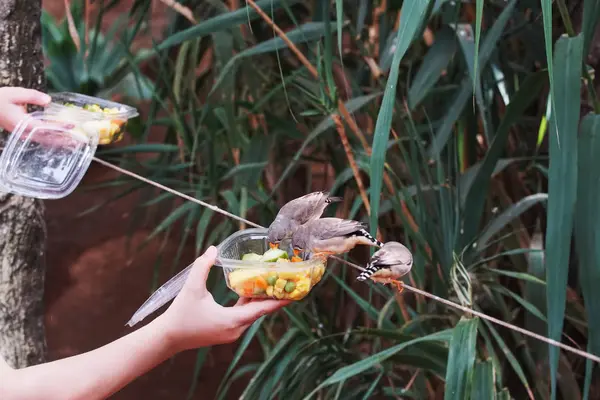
[{"x": 49, "y": 151}]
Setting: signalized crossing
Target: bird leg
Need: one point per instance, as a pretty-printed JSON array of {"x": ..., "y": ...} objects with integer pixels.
[{"x": 397, "y": 284}]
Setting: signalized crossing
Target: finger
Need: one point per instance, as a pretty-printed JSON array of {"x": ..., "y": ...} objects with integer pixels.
[
  {"x": 11, "y": 116},
  {"x": 21, "y": 95},
  {"x": 241, "y": 301},
  {"x": 199, "y": 273},
  {"x": 251, "y": 311}
]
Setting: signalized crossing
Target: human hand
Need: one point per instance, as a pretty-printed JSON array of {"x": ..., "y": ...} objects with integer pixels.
[
  {"x": 13, "y": 101},
  {"x": 195, "y": 320}
]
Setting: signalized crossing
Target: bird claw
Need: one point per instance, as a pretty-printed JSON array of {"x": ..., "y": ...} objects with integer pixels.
[{"x": 399, "y": 285}]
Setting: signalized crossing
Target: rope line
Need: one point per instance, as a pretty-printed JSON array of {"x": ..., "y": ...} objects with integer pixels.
[{"x": 410, "y": 288}]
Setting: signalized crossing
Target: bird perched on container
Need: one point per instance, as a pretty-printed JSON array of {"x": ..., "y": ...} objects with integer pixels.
[
  {"x": 329, "y": 236},
  {"x": 298, "y": 212},
  {"x": 388, "y": 264}
]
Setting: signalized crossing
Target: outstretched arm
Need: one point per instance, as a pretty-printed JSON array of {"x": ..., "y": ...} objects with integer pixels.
[{"x": 193, "y": 320}]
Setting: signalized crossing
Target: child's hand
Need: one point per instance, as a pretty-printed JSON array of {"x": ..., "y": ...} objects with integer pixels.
[
  {"x": 196, "y": 320},
  {"x": 13, "y": 101}
]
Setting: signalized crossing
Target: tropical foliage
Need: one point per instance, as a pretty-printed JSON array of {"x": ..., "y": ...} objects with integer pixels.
[{"x": 462, "y": 128}]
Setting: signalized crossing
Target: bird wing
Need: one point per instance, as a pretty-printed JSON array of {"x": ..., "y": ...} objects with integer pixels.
[
  {"x": 308, "y": 207},
  {"x": 326, "y": 228},
  {"x": 391, "y": 256}
]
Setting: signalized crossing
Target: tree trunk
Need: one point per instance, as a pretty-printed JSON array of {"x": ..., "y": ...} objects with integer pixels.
[{"x": 22, "y": 225}]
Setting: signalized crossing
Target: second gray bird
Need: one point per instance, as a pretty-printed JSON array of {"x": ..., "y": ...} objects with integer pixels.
[
  {"x": 388, "y": 265},
  {"x": 330, "y": 236}
]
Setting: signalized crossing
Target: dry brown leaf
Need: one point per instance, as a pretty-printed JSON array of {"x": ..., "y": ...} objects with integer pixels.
[
  {"x": 71, "y": 24},
  {"x": 181, "y": 9}
]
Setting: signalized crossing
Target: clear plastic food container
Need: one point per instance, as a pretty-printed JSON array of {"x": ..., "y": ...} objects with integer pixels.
[
  {"x": 256, "y": 276},
  {"x": 93, "y": 115},
  {"x": 248, "y": 278},
  {"x": 45, "y": 157}
]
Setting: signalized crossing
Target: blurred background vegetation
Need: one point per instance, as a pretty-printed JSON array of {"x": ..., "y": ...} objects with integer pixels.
[{"x": 435, "y": 120}]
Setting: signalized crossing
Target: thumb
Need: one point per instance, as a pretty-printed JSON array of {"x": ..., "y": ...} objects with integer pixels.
[
  {"x": 21, "y": 95},
  {"x": 200, "y": 269}
]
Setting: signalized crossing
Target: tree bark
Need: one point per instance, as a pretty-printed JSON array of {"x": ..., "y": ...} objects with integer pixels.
[{"x": 22, "y": 225}]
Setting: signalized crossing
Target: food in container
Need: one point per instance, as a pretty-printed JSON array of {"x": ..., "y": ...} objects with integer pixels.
[
  {"x": 93, "y": 115},
  {"x": 273, "y": 275},
  {"x": 250, "y": 270}
]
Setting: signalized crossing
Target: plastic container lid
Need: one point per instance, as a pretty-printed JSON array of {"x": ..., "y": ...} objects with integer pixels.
[{"x": 45, "y": 157}]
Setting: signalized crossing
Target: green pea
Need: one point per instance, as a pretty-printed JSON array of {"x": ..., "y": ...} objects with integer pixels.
[
  {"x": 290, "y": 286},
  {"x": 271, "y": 280}
]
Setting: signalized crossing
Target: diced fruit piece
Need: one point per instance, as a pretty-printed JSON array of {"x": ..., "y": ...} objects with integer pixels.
[
  {"x": 251, "y": 257},
  {"x": 261, "y": 282},
  {"x": 290, "y": 274},
  {"x": 280, "y": 284},
  {"x": 270, "y": 291},
  {"x": 296, "y": 259},
  {"x": 239, "y": 275},
  {"x": 273, "y": 254}
]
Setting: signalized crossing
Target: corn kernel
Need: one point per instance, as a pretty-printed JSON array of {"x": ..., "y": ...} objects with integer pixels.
[{"x": 280, "y": 284}]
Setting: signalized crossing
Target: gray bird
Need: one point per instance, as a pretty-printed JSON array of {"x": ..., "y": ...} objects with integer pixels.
[
  {"x": 330, "y": 236},
  {"x": 298, "y": 212},
  {"x": 388, "y": 265}
]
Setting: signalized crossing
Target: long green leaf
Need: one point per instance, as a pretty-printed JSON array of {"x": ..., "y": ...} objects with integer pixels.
[
  {"x": 514, "y": 211},
  {"x": 562, "y": 185},
  {"x": 305, "y": 33},
  {"x": 222, "y": 22},
  {"x": 352, "y": 105},
  {"x": 490, "y": 43},
  {"x": 587, "y": 232},
  {"x": 143, "y": 148},
  {"x": 459, "y": 371},
  {"x": 248, "y": 336},
  {"x": 591, "y": 16},
  {"x": 272, "y": 358},
  {"x": 483, "y": 381},
  {"x": 412, "y": 15},
  {"x": 478, "y": 20},
  {"x": 434, "y": 62},
  {"x": 478, "y": 191},
  {"x": 376, "y": 359}
]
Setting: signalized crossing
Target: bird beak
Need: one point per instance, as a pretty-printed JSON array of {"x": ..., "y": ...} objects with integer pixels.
[
  {"x": 273, "y": 245},
  {"x": 296, "y": 252}
]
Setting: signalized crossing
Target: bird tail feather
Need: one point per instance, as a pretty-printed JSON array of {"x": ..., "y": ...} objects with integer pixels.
[
  {"x": 367, "y": 273},
  {"x": 371, "y": 238}
]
